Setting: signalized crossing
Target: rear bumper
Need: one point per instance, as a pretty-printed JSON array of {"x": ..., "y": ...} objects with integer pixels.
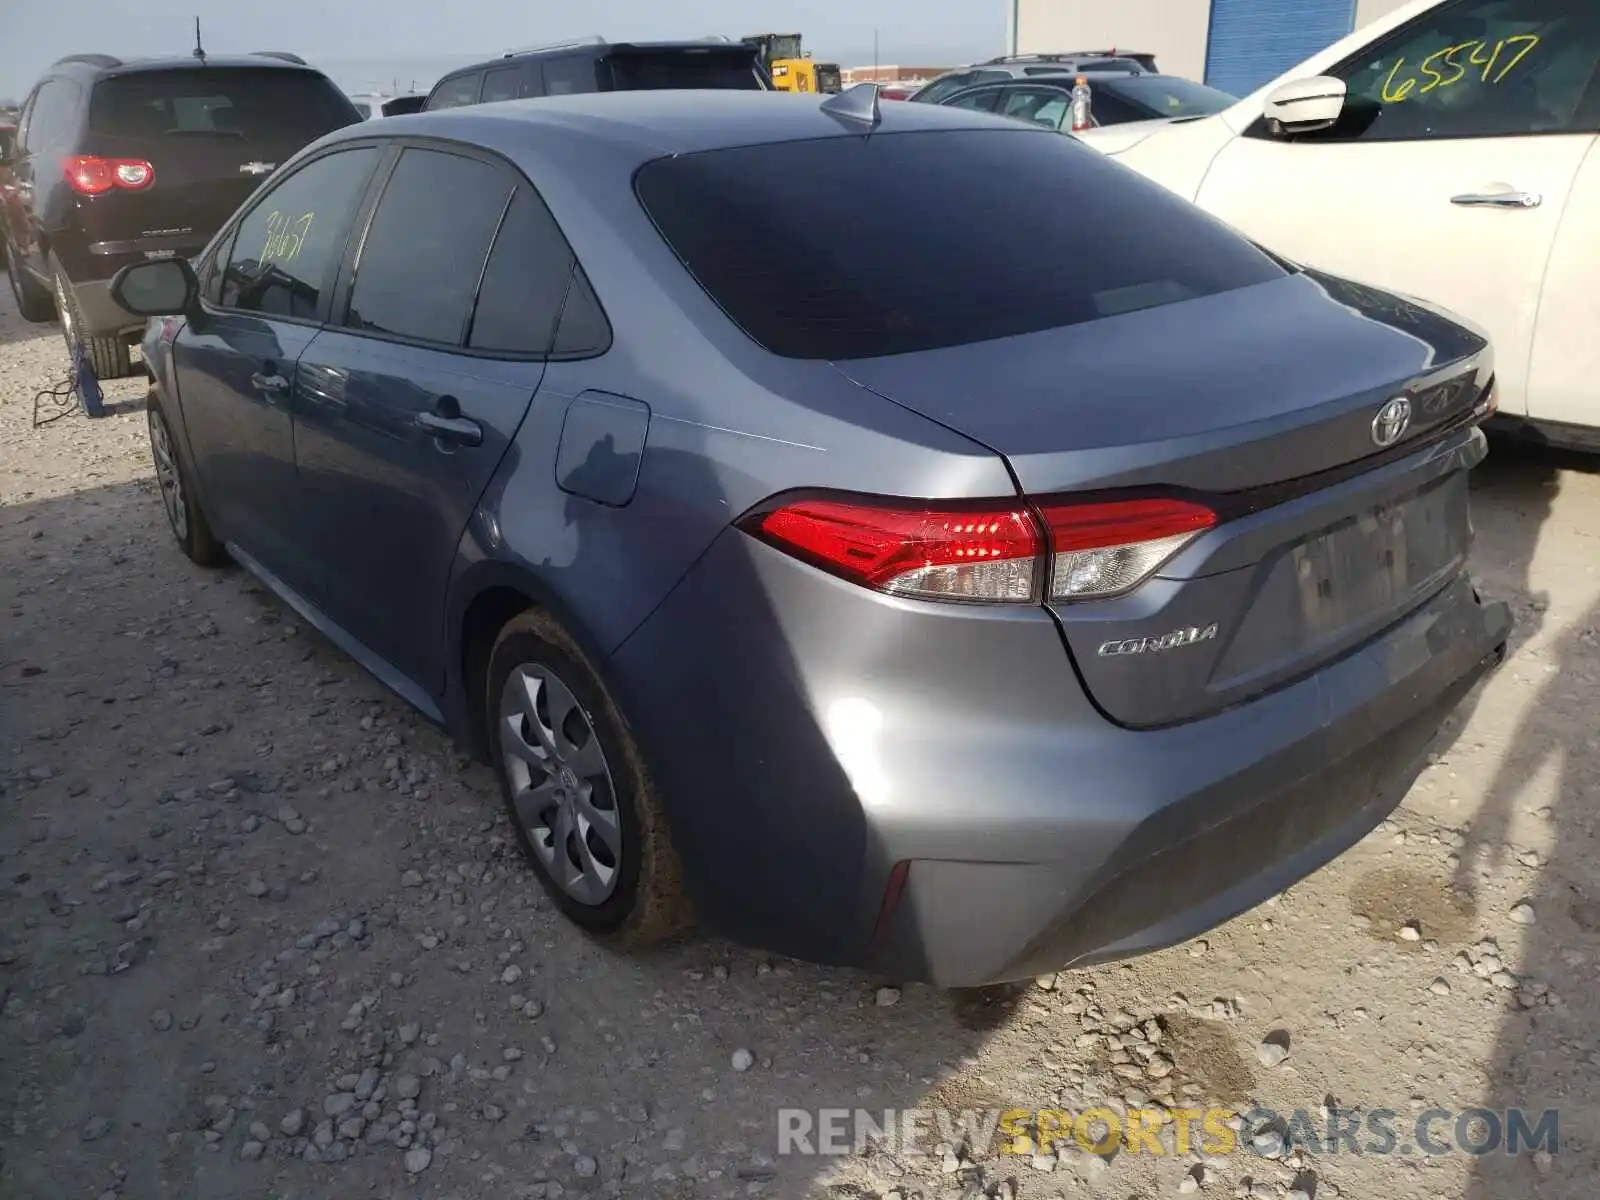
[
  {"x": 808, "y": 735},
  {"x": 103, "y": 316},
  {"x": 1211, "y": 853}
]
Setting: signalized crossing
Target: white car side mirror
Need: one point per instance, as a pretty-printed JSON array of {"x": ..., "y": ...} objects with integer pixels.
[{"x": 1305, "y": 105}]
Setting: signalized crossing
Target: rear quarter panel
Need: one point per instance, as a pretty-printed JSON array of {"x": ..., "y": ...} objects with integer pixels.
[{"x": 729, "y": 424}]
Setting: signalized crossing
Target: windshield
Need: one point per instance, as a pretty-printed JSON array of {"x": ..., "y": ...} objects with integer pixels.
[
  {"x": 266, "y": 104},
  {"x": 644, "y": 71},
  {"x": 1170, "y": 96},
  {"x": 810, "y": 248}
]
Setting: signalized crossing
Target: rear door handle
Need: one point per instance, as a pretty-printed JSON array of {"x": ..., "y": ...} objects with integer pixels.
[
  {"x": 454, "y": 431},
  {"x": 1498, "y": 200},
  {"x": 269, "y": 383}
]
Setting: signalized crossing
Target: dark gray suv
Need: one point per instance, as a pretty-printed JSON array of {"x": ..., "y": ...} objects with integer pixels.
[{"x": 596, "y": 65}]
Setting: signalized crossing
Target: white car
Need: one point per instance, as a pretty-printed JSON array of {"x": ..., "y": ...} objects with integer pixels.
[{"x": 1447, "y": 151}]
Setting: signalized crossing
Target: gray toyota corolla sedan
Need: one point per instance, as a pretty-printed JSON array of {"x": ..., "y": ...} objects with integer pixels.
[{"x": 1035, "y": 573}]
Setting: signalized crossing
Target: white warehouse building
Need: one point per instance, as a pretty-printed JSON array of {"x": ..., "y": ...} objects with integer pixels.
[{"x": 1235, "y": 45}]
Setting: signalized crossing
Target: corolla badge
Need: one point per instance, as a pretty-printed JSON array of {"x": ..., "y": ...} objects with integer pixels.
[
  {"x": 1392, "y": 421},
  {"x": 1156, "y": 645},
  {"x": 256, "y": 168}
]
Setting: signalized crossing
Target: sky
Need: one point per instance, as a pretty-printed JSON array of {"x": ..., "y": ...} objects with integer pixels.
[{"x": 359, "y": 42}]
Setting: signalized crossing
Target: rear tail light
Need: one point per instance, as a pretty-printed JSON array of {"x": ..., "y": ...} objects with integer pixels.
[
  {"x": 1488, "y": 400},
  {"x": 94, "y": 176},
  {"x": 1108, "y": 548},
  {"x": 985, "y": 551}
]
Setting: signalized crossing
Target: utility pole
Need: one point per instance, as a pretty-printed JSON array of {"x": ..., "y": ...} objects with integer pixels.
[{"x": 1016, "y": 25}]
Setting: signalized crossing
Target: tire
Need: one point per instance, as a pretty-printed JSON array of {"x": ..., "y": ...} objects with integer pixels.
[
  {"x": 532, "y": 661},
  {"x": 179, "y": 497},
  {"x": 33, "y": 299},
  {"x": 108, "y": 356}
]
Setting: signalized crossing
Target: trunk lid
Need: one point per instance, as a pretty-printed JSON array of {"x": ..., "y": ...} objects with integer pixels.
[{"x": 1261, "y": 403}]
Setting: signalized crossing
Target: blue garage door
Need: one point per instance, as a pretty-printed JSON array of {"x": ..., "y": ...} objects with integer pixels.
[{"x": 1253, "y": 41}]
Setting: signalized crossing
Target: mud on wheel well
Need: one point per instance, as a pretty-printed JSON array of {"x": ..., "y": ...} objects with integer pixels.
[{"x": 485, "y": 617}]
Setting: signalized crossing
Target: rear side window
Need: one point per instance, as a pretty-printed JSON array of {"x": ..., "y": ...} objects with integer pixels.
[
  {"x": 426, "y": 245},
  {"x": 569, "y": 75},
  {"x": 502, "y": 84},
  {"x": 1169, "y": 96},
  {"x": 810, "y": 247},
  {"x": 664, "y": 70},
  {"x": 949, "y": 85},
  {"x": 453, "y": 93},
  {"x": 525, "y": 282},
  {"x": 253, "y": 104}
]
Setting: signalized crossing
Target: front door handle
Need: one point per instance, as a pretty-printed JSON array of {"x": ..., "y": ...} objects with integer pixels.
[
  {"x": 269, "y": 383},
  {"x": 454, "y": 431},
  {"x": 1498, "y": 200}
]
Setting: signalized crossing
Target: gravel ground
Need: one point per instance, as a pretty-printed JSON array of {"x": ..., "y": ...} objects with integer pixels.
[{"x": 263, "y": 933}]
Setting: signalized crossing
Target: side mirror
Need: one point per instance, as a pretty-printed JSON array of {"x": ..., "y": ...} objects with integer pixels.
[
  {"x": 1305, "y": 105},
  {"x": 166, "y": 287}
]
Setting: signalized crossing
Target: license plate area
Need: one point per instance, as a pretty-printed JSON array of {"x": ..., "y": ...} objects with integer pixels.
[{"x": 1340, "y": 585}]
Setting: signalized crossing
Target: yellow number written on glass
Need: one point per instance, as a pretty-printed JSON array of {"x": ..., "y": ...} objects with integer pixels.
[
  {"x": 286, "y": 236},
  {"x": 1446, "y": 67}
]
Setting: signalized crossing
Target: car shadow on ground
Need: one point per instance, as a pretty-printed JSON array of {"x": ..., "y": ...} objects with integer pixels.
[{"x": 1539, "y": 812}]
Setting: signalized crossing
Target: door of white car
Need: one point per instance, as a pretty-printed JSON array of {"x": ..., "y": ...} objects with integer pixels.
[
  {"x": 1448, "y": 173},
  {"x": 1564, "y": 382}
]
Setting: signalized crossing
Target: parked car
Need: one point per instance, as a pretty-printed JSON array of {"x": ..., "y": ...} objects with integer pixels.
[
  {"x": 1116, "y": 100},
  {"x": 1022, "y": 66},
  {"x": 411, "y": 102},
  {"x": 117, "y": 162},
  {"x": 1446, "y": 150},
  {"x": 958, "y": 616},
  {"x": 8, "y": 138},
  {"x": 596, "y": 65}
]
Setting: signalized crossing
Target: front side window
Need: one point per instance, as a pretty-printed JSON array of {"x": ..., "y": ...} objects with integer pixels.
[
  {"x": 285, "y": 248},
  {"x": 425, "y": 248},
  {"x": 453, "y": 93},
  {"x": 810, "y": 248},
  {"x": 1477, "y": 68}
]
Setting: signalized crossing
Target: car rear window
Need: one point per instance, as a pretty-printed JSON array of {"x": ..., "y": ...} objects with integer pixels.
[
  {"x": 264, "y": 105},
  {"x": 813, "y": 248},
  {"x": 658, "y": 70},
  {"x": 1170, "y": 96}
]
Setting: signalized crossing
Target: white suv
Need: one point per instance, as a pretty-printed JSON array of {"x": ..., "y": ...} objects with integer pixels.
[{"x": 1448, "y": 150}]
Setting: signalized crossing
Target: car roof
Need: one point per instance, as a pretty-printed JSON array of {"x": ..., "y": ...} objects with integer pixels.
[
  {"x": 659, "y": 123},
  {"x": 1064, "y": 80},
  {"x": 134, "y": 66},
  {"x": 593, "y": 50}
]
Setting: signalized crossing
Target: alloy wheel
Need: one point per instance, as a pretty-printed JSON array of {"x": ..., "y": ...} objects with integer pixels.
[
  {"x": 167, "y": 475},
  {"x": 561, "y": 786}
]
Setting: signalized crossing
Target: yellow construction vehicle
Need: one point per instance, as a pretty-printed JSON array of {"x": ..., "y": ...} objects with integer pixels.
[{"x": 791, "y": 67}]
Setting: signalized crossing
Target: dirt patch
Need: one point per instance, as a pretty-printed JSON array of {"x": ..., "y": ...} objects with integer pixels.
[
  {"x": 1394, "y": 898},
  {"x": 1206, "y": 1054}
]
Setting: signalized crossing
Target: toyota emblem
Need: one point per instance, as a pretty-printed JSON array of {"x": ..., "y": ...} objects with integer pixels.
[{"x": 1392, "y": 421}]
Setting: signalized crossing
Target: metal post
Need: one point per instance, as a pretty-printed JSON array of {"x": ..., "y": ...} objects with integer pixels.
[{"x": 1016, "y": 26}]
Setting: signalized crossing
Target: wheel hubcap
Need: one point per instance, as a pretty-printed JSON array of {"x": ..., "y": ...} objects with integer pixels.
[
  {"x": 167, "y": 475},
  {"x": 561, "y": 787}
]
